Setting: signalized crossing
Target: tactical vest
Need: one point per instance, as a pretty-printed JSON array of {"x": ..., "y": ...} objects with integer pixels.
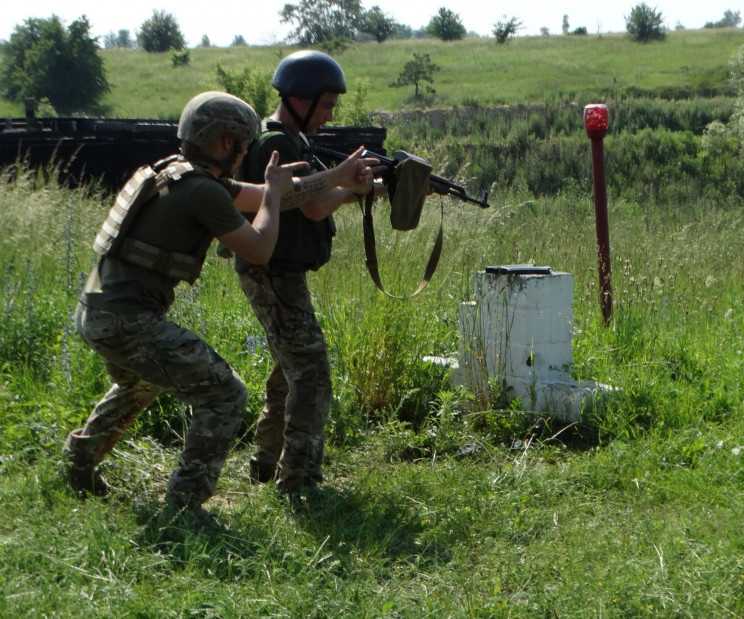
[
  {"x": 144, "y": 185},
  {"x": 303, "y": 244}
]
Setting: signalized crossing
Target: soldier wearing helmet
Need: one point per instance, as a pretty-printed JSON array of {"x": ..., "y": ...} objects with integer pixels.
[
  {"x": 157, "y": 234},
  {"x": 289, "y": 436}
]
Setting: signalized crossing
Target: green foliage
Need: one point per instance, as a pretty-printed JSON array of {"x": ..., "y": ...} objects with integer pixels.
[
  {"x": 645, "y": 24},
  {"x": 160, "y": 33},
  {"x": 504, "y": 30},
  {"x": 318, "y": 21},
  {"x": 45, "y": 60},
  {"x": 180, "y": 58},
  {"x": 420, "y": 69},
  {"x": 378, "y": 25},
  {"x": 122, "y": 40},
  {"x": 731, "y": 19},
  {"x": 253, "y": 85},
  {"x": 336, "y": 45},
  {"x": 353, "y": 108},
  {"x": 446, "y": 25}
]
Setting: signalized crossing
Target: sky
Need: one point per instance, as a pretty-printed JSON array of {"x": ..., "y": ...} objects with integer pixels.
[{"x": 258, "y": 21}]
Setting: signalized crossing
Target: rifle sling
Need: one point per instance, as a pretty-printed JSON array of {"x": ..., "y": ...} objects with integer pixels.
[{"x": 370, "y": 249}]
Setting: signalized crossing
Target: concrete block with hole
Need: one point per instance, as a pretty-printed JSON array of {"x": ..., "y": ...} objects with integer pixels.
[{"x": 517, "y": 331}]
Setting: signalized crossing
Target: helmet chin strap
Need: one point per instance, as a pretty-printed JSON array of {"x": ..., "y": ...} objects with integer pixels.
[
  {"x": 301, "y": 122},
  {"x": 227, "y": 166}
]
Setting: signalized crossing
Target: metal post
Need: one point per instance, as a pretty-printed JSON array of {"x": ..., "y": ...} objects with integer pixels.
[{"x": 596, "y": 123}]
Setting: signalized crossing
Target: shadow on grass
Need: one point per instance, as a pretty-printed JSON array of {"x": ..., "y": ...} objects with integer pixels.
[
  {"x": 202, "y": 542},
  {"x": 388, "y": 526}
]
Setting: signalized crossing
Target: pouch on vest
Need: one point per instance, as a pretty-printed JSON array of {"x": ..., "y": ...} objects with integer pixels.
[
  {"x": 144, "y": 185},
  {"x": 408, "y": 190}
]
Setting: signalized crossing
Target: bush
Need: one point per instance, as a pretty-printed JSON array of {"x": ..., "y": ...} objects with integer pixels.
[
  {"x": 180, "y": 58},
  {"x": 251, "y": 85},
  {"x": 504, "y": 30},
  {"x": 353, "y": 109}
]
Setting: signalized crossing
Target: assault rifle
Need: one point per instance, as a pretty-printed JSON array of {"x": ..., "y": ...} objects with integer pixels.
[{"x": 437, "y": 184}]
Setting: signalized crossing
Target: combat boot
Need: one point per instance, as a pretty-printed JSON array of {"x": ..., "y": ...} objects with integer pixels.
[
  {"x": 87, "y": 482},
  {"x": 261, "y": 471}
]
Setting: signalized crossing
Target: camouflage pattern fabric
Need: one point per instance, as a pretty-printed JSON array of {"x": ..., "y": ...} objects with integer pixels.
[
  {"x": 290, "y": 431},
  {"x": 145, "y": 354}
]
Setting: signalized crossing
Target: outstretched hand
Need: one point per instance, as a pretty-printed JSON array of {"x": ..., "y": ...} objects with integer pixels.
[{"x": 279, "y": 177}]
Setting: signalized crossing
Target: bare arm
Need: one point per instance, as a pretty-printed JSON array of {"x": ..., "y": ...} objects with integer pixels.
[
  {"x": 329, "y": 202},
  {"x": 352, "y": 173},
  {"x": 255, "y": 242}
]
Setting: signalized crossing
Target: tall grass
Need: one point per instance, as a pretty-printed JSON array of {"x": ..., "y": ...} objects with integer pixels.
[
  {"x": 436, "y": 503},
  {"x": 429, "y": 510}
]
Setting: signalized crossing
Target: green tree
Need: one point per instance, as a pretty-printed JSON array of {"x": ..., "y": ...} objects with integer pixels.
[
  {"x": 504, "y": 30},
  {"x": 42, "y": 59},
  {"x": 318, "y": 21},
  {"x": 378, "y": 25},
  {"x": 238, "y": 41},
  {"x": 446, "y": 25},
  {"x": 420, "y": 69},
  {"x": 644, "y": 24},
  {"x": 160, "y": 33},
  {"x": 121, "y": 40},
  {"x": 731, "y": 19}
]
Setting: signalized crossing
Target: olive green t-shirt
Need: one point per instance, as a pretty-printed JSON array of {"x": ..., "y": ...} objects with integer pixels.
[{"x": 192, "y": 209}]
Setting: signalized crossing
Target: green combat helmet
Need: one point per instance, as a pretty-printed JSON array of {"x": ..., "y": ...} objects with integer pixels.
[
  {"x": 212, "y": 115},
  {"x": 307, "y": 75}
]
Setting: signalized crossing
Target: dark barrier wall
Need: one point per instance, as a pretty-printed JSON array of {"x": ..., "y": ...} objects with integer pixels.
[{"x": 86, "y": 148}]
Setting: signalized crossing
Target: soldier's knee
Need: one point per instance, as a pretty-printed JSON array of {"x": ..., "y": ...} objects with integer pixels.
[{"x": 239, "y": 392}]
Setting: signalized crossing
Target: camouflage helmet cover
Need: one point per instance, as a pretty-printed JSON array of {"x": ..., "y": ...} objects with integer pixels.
[
  {"x": 308, "y": 74},
  {"x": 211, "y": 115}
]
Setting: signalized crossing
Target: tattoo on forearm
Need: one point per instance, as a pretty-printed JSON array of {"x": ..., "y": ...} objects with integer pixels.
[{"x": 305, "y": 189}]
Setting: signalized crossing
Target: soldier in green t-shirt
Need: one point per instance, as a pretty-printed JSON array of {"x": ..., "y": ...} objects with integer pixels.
[
  {"x": 289, "y": 436},
  {"x": 121, "y": 313}
]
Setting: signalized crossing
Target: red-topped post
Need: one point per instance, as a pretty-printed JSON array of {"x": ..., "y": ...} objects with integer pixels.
[{"x": 596, "y": 121}]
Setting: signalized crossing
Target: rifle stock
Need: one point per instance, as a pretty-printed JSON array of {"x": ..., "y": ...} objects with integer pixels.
[{"x": 437, "y": 184}]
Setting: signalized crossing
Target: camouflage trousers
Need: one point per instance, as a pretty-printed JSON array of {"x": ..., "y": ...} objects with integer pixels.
[
  {"x": 145, "y": 354},
  {"x": 290, "y": 433}
]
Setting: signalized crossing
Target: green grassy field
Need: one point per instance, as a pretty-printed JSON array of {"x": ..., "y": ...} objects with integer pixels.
[
  {"x": 436, "y": 504},
  {"x": 473, "y": 71}
]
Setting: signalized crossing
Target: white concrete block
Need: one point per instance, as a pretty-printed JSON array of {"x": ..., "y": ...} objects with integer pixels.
[{"x": 518, "y": 330}]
